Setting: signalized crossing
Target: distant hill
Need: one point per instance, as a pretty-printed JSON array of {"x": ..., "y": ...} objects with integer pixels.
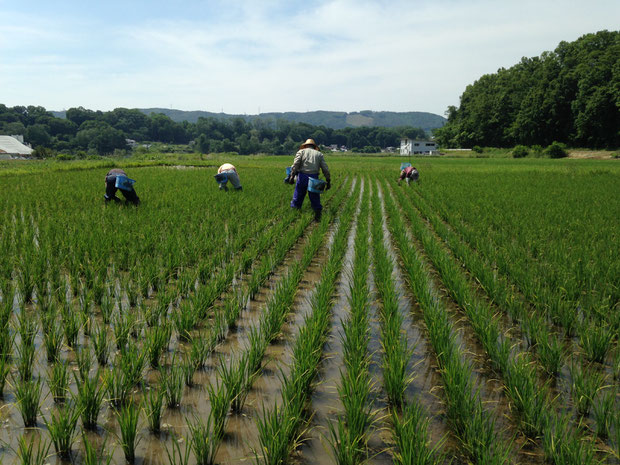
[{"x": 331, "y": 119}]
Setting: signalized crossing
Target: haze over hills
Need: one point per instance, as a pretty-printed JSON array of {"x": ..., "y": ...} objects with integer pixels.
[{"x": 330, "y": 119}]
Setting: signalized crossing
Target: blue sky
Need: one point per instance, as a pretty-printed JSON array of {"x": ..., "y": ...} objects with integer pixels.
[{"x": 246, "y": 57}]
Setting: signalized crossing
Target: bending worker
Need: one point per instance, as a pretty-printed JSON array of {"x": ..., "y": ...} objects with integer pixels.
[
  {"x": 410, "y": 173},
  {"x": 308, "y": 160},
  {"x": 117, "y": 179},
  {"x": 231, "y": 175}
]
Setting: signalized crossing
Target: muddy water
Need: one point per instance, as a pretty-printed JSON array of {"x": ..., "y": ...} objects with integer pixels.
[
  {"x": 426, "y": 383},
  {"x": 325, "y": 401},
  {"x": 241, "y": 434}
]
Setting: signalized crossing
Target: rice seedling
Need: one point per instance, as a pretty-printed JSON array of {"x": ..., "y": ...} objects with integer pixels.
[
  {"x": 93, "y": 456},
  {"x": 156, "y": 341},
  {"x": 62, "y": 427},
  {"x": 101, "y": 345},
  {"x": 118, "y": 386},
  {"x": 585, "y": 383},
  {"x": 603, "y": 410},
  {"x": 172, "y": 381},
  {"x": 347, "y": 448},
  {"x": 71, "y": 325},
  {"x": 204, "y": 441},
  {"x": 83, "y": 358},
  {"x": 237, "y": 379},
  {"x": 30, "y": 454},
  {"x": 255, "y": 351},
  {"x": 128, "y": 416},
  {"x": 27, "y": 328},
  {"x": 6, "y": 342},
  {"x": 131, "y": 361},
  {"x": 616, "y": 433},
  {"x": 152, "y": 315},
  {"x": 177, "y": 456},
  {"x": 550, "y": 353},
  {"x": 189, "y": 368},
  {"x": 201, "y": 347},
  {"x": 187, "y": 283},
  {"x": 278, "y": 436},
  {"x": 52, "y": 340},
  {"x": 25, "y": 361},
  {"x": 122, "y": 328},
  {"x": 107, "y": 307},
  {"x": 153, "y": 408},
  {"x": 5, "y": 368},
  {"x": 90, "y": 392},
  {"x": 58, "y": 381},
  {"x": 131, "y": 291},
  {"x": 412, "y": 438},
  {"x": 26, "y": 285},
  {"x": 220, "y": 405},
  {"x": 185, "y": 320},
  {"x": 562, "y": 445},
  {"x": 596, "y": 341}
]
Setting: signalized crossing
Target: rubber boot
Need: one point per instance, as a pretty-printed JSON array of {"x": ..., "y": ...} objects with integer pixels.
[{"x": 317, "y": 215}]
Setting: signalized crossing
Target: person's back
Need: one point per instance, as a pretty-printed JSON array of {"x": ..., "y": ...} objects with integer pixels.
[{"x": 230, "y": 172}]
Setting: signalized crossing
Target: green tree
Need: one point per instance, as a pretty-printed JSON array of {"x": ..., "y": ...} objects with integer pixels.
[{"x": 37, "y": 135}]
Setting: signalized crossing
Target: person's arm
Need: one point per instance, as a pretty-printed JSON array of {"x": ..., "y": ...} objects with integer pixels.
[
  {"x": 325, "y": 169},
  {"x": 296, "y": 163}
]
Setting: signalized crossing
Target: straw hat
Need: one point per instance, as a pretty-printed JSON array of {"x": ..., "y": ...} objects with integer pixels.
[{"x": 309, "y": 143}]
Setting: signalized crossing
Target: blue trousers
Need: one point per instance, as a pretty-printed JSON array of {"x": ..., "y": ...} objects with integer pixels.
[{"x": 300, "y": 193}]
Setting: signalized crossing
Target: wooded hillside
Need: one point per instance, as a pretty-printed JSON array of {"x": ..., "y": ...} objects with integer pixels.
[{"x": 570, "y": 95}]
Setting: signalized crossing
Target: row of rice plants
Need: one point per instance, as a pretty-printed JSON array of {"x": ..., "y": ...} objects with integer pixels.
[
  {"x": 532, "y": 402},
  {"x": 350, "y": 432},
  {"x": 557, "y": 275},
  {"x": 113, "y": 384},
  {"x": 597, "y": 393},
  {"x": 396, "y": 353},
  {"x": 86, "y": 242},
  {"x": 559, "y": 220},
  {"x": 550, "y": 349},
  {"x": 471, "y": 424},
  {"x": 235, "y": 301},
  {"x": 280, "y": 428},
  {"x": 596, "y": 327},
  {"x": 237, "y": 375},
  {"x": 537, "y": 332}
]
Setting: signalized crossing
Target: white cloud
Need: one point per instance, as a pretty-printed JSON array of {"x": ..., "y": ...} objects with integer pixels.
[{"x": 284, "y": 56}]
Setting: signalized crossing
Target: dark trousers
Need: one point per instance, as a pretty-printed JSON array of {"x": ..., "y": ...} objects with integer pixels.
[
  {"x": 110, "y": 192},
  {"x": 300, "y": 193}
]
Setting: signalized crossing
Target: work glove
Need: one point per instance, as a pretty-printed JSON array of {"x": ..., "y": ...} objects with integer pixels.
[{"x": 328, "y": 186}]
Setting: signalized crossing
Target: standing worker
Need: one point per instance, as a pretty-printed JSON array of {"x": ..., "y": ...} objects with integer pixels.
[
  {"x": 225, "y": 173},
  {"x": 409, "y": 173},
  {"x": 117, "y": 179},
  {"x": 308, "y": 160}
]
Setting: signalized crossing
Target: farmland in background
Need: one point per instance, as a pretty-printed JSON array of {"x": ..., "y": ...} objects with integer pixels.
[{"x": 472, "y": 317}]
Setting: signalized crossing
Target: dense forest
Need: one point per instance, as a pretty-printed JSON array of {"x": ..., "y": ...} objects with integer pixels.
[
  {"x": 84, "y": 131},
  {"x": 570, "y": 95}
]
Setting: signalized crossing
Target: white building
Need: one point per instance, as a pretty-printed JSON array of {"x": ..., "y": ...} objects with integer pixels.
[
  {"x": 10, "y": 146},
  {"x": 420, "y": 147}
]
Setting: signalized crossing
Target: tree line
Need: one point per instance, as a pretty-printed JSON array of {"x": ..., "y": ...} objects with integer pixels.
[
  {"x": 570, "y": 95},
  {"x": 102, "y": 133}
]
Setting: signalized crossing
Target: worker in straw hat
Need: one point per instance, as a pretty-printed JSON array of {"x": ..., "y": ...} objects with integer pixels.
[{"x": 307, "y": 163}]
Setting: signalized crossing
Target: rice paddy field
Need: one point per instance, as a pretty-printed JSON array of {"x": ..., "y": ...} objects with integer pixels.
[{"x": 472, "y": 317}]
